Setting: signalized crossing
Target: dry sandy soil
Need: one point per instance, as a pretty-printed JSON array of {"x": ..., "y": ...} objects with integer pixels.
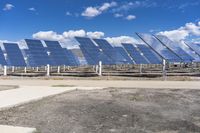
[{"x": 112, "y": 110}]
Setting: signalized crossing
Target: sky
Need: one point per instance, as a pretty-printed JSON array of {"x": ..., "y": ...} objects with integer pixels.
[{"x": 115, "y": 20}]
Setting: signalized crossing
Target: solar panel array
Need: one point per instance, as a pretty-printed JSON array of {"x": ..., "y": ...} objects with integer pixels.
[
  {"x": 175, "y": 48},
  {"x": 108, "y": 50},
  {"x": 38, "y": 53},
  {"x": 92, "y": 53},
  {"x": 135, "y": 54},
  {"x": 150, "y": 55},
  {"x": 124, "y": 54},
  {"x": 155, "y": 49},
  {"x": 159, "y": 48},
  {"x": 2, "y": 58},
  {"x": 14, "y": 55}
]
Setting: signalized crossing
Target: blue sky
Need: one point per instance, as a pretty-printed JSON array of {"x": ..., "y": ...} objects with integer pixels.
[{"x": 22, "y": 18}]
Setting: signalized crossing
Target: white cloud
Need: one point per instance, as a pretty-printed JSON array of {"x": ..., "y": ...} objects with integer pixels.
[
  {"x": 121, "y": 39},
  {"x": 131, "y": 17},
  {"x": 95, "y": 11},
  {"x": 67, "y": 35},
  {"x": 32, "y": 9},
  {"x": 96, "y": 34},
  {"x": 118, "y": 15},
  {"x": 8, "y": 7},
  {"x": 190, "y": 29}
]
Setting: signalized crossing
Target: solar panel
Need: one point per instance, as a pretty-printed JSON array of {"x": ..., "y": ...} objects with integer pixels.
[
  {"x": 159, "y": 48},
  {"x": 175, "y": 48},
  {"x": 59, "y": 55},
  {"x": 73, "y": 60},
  {"x": 38, "y": 53},
  {"x": 135, "y": 54},
  {"x": 92, "y": 53},
  {"x": 111, "y": 52},
  {"x": 124, "y": 54},
  {"x": 14, "y": 55},
  {"x": 152, "y": 57},
  {"x": 2, "y": 58},
  {"x": 195, "y": 47}
]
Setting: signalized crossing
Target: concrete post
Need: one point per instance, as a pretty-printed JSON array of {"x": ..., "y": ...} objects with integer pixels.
[
  {"x": 13, "y": 69},
  {"x": 5, "y": 71},
  {"x": 140, "y": 68},
  {"x": 37, "y": 69},
  {"x": 164, "y": 69},
  {"x": 100, "y": 68},
  {"x": 96, "y": 68},
  {"x": 48, "y": 69},
  {"x": 58, "y": 70},
  {"x": 25, "y": 69}
]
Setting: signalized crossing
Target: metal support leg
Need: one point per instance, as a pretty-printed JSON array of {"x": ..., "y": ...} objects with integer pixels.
[
  {"x": 164, "y": 69},
  {"x": 25, "y": 69},
  {"x": 5, "y": 71},
  {"x": 48, "y": 70},
  {"x": 100, "y": 68},
  {"x": 58, "y": 71},
  {"x": 13, "y": 69}
]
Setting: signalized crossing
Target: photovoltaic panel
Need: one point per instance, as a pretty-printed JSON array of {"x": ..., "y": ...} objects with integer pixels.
[
  {"x": 2, "y": 58},
  {"x": 14, "y": 55},
  {"x": 92, "y": 53},
  {"x": 152, "y": 57},
  {"x": 135, "y": 54},
  {"x": 111, "y": 52},
  {"x": 193, "y": 46},
  {"x": 38, "y": 53},
  {"x": 175, "y": 48},
  {"x": 73, "y": 60},
  {"x": 124, "y": 54},
  {"x": 159, "y": 48},
  {"x": 59, "y": 55}
]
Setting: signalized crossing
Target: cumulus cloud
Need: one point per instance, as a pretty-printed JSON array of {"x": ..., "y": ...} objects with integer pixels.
[
  {"x": 190, "y": 29},
  {"x": 67, "y": 35},
  {"x": 131, "y": 17},
  {"x": 95, "y": 11},
  {"x": 8, "y": 7},
  {"x": 122, "y": 39}
]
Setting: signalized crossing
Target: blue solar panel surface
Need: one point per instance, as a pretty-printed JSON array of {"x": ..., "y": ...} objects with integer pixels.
[
  {"x": 111, "y": 52},
  {"x": 2, "y": 58},
  {"x": 92, "y": 53},
  {"x": 135, "y": 54},
  {"x": 155, "y": 44},
  {"x": 195, "y": 47},
  {"x": 73, "y": 60},
  {"x": 38, "y": 53},
  {"x": 175, "y": 48},
  {"x": 58, "y": 54},
  {"x": 124, "y": 54},
  {"x": 14, "y": 55},
  {"x": 151, "y": 56}
]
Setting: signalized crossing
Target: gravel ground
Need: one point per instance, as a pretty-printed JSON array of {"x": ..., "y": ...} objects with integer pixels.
[{"x": 112, "y": 110}]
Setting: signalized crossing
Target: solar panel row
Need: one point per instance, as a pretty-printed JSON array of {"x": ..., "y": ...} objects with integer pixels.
[{"x": 156, "y": 48}]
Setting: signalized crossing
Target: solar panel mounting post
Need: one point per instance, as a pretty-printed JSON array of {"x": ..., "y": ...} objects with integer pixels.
[
  {"x": 13, "y": 69},
  {"x": 48, "y": 69},
  {"x": 164, "y": 69},
  {"x": 5, "y": 71},
  {"x": 25, "y": 69},
  {"x": 58, "y": 69},
  {"x": 100, "y": 68},
  {"x": 141, "y": 68},
  {"x": 96, "y": 68}
]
